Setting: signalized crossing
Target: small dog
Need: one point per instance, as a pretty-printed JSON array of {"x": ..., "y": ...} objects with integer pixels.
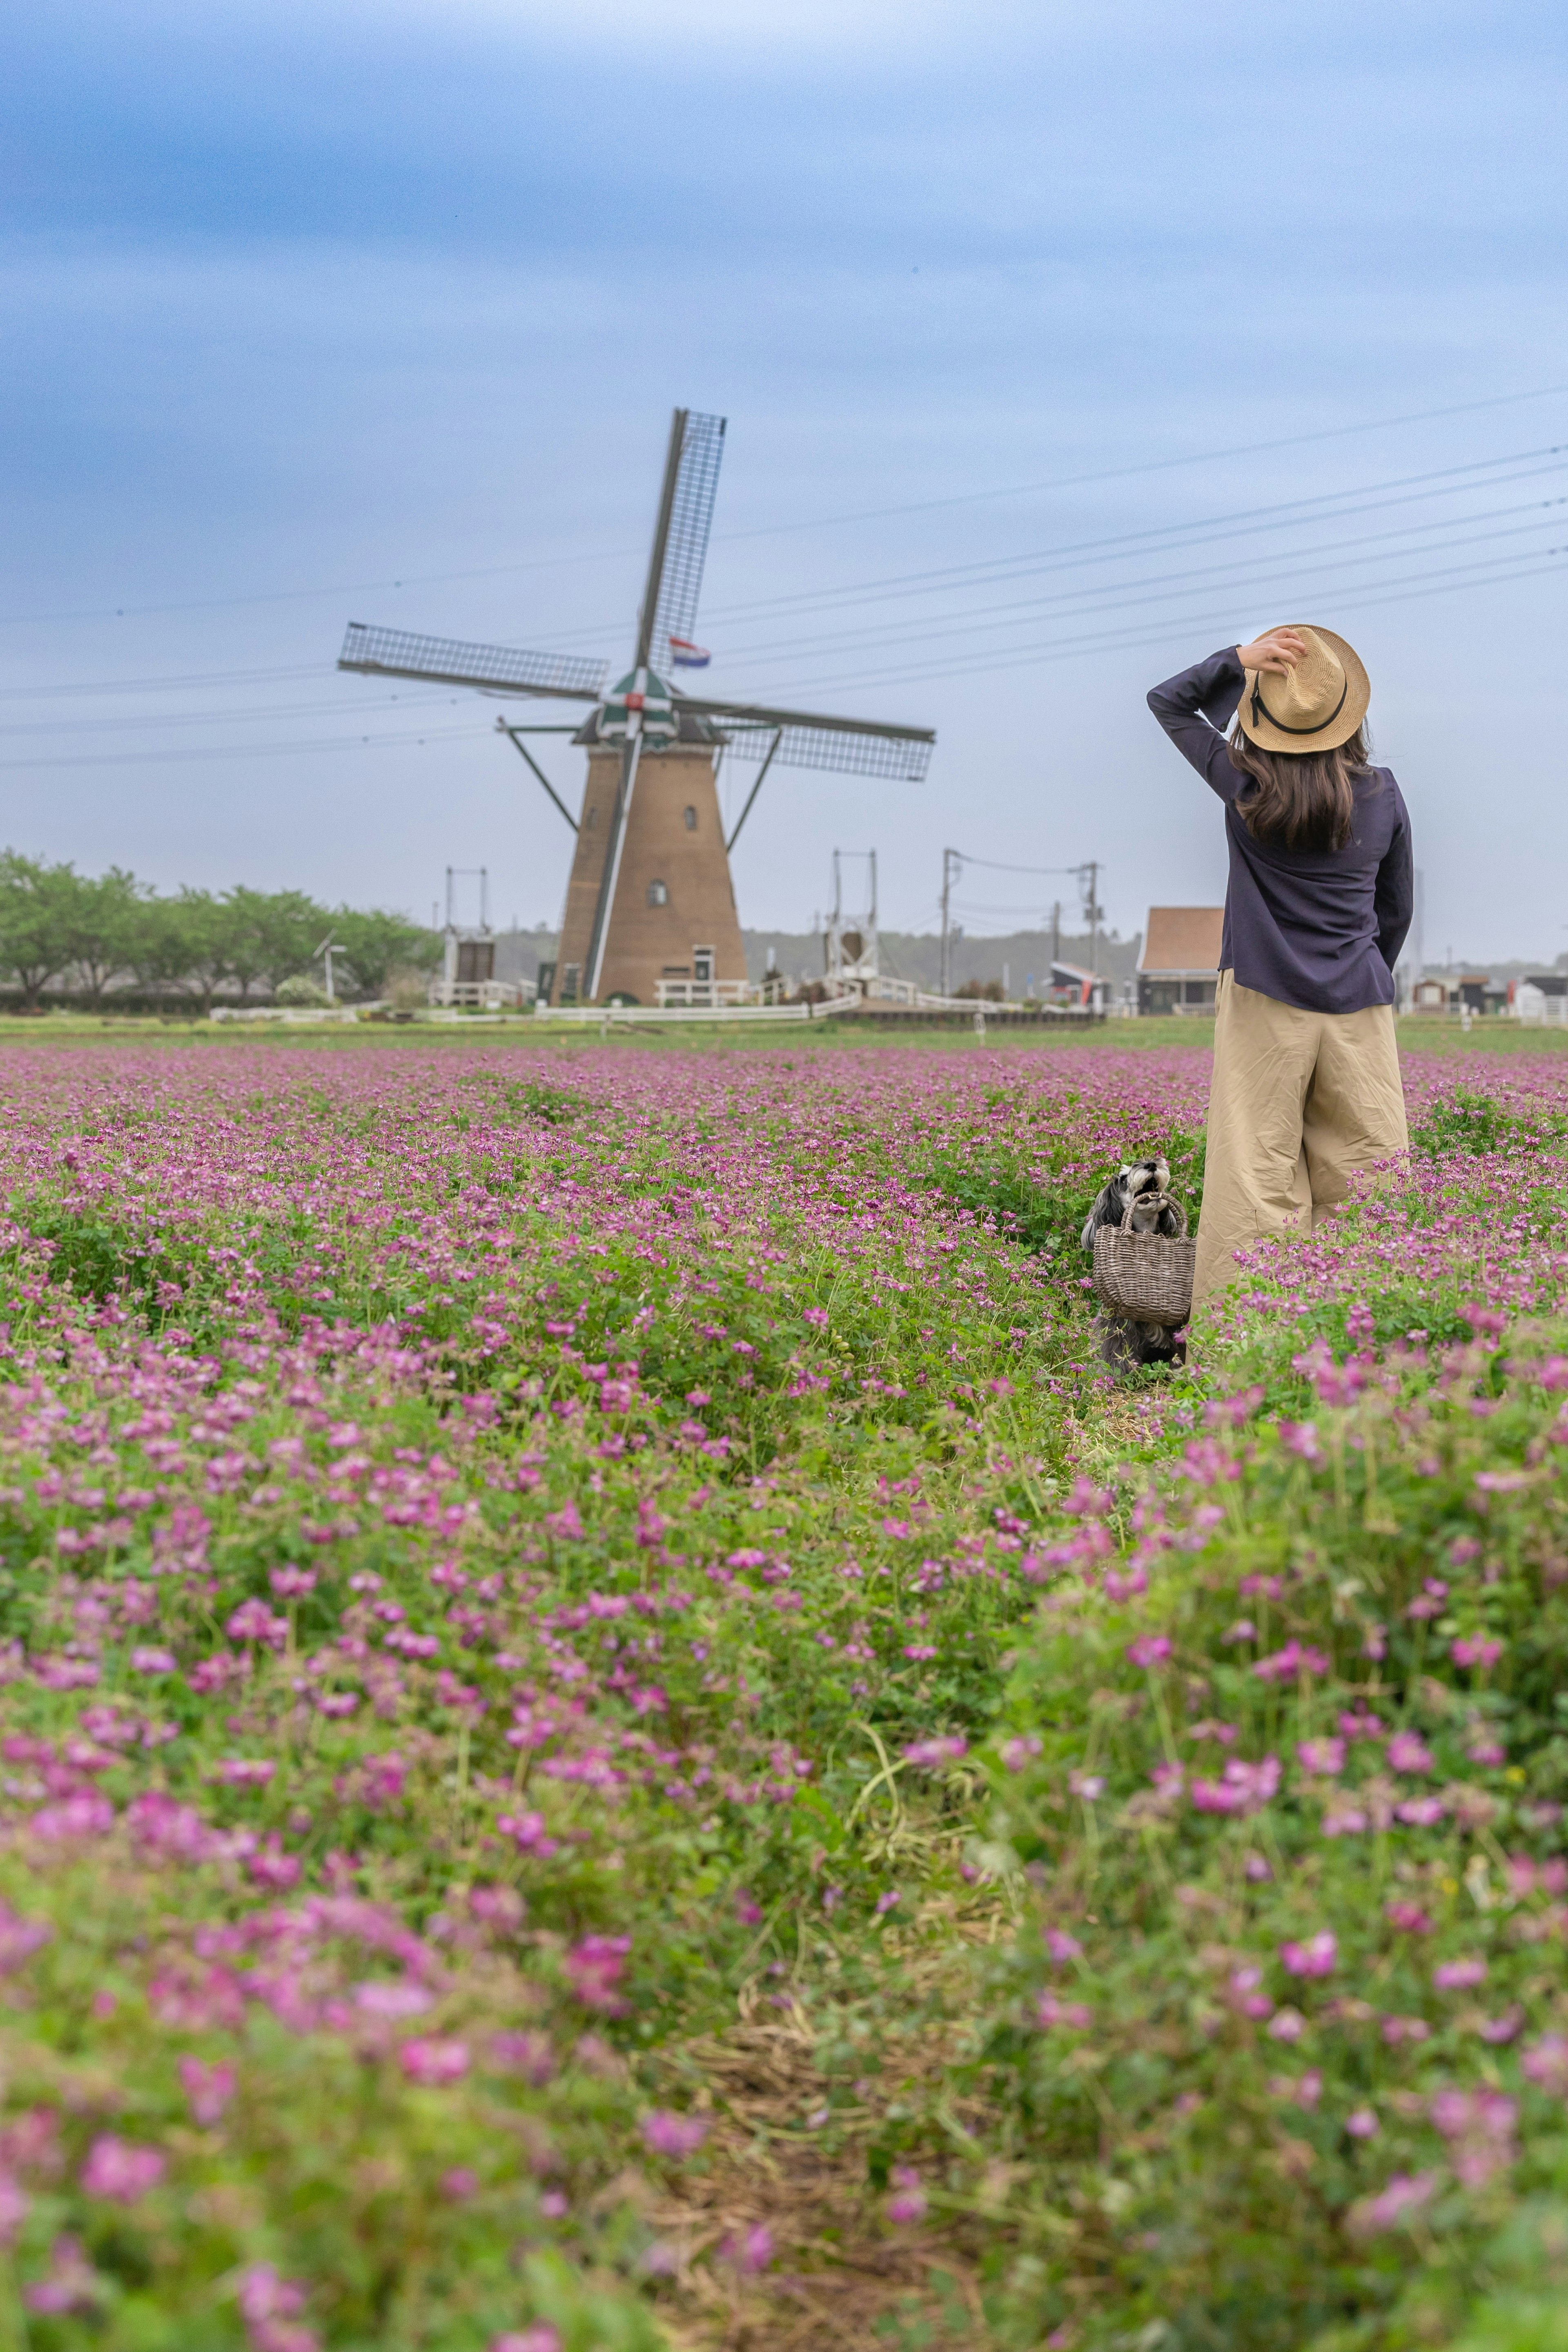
[{"x": 1136, "y": 1197}]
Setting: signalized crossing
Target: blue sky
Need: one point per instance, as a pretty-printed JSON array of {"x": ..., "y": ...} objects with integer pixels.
[{"x": 303, "y": 303}]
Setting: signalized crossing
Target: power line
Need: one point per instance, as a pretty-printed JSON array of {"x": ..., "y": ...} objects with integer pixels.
[
  {"x": 242, "y": 750},
  {"x": 773, "y": 530}
]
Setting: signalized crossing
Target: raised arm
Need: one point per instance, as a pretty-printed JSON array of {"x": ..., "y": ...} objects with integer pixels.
[
  {"x": 1195, "y": 708},
  {"x": 1394, "y": 899}
]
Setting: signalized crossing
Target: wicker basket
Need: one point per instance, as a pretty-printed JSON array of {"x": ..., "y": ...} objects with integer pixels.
[{"x": 1148, "y": 1276}]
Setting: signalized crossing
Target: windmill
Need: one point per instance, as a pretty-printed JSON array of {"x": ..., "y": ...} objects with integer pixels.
[{"x": 650, "y": 906}]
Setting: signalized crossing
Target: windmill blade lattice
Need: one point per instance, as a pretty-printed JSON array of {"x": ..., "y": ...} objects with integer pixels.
[
  {"x": 494, "y": 669},
  {"x": 886, "y": 756},
  {"x": 690, "y": 519}
]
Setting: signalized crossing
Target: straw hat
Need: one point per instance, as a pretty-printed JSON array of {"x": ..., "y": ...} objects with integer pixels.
[{"x": 1314, "y": 706}]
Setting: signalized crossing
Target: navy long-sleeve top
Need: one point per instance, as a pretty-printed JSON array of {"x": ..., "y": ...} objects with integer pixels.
[{"x": 1320, "y": 929}]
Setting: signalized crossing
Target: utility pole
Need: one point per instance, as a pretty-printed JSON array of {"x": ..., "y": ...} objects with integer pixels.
[
  {"x": 1093, "y": 909},
  {"x": 950, "y": 865},
  {"x": 1055, "y": 935}
]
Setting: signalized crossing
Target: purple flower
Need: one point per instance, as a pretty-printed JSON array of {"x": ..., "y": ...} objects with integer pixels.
[
  {"x": 1460, "y": 1976},
  {"x": 71, "y": 2283},
  {"x": 594, "y": 1967},
  {"x": 1019, "y": 1751},
  {"x": 1475, "y": 1650},
  {"x": 1546, "y": 2063},
  {"x": 208, "y": 2088},
  {"x": 944, "y": 1748},
  {"x": 908, "y": 2200},
  {"x": 122, "y": 2169},
  {"x": 146, "y": 1660},
  {"x": 673, "y": 2134},
  {"x": 1408, "y": 1917},
  {"x": 1362, "y": 2123},
  {"x": 1314, "y": 1958},
  {"x": 434, "y": 2062},
  {"x": 1407, "y": 1752},
  {"x": 1405, "y": 2194},
  {"x": 1323, "y": 1756},
  {"x": 1148, "y": 1650},
  {"x": 1061, "y": 1946},
  {"x": 1292, "y": 1660},
  {"x": 541, "y": 2337}
]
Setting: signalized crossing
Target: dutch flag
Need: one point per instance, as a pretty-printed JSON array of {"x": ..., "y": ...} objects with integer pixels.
[{"x": 684, "y": 654}]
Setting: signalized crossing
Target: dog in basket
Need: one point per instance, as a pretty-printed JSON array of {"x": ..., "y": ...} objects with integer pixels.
[{"x": 1138, "y": 1197}]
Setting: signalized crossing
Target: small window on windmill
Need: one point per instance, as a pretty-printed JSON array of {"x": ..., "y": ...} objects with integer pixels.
[
  {"x": 659, "y": 894},
  {"x": 475, "y": 962},
  {"x": 571, "y": 981},
  {"x": 702, "y": 963},
  {"x": 591, "y": 821},
  {"x": 691, "y": 818}
]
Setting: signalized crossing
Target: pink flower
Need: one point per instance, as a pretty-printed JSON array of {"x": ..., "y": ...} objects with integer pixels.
[
  {"x": 72, "y": 2284},
  {"x": 674, "y": 2136},
  {"x": 14, "y": 2203},
  {"x": 392, "y": 1996},
  {"x": 1293, "y": 1659},
  {"x": 1314, "y": 1958},
  {"x": 752, "y": 2250},
  {"x": 540, "y": 2338},
  {"x": 1406, "y": 2193},
  {"x": 1460, "y": 1976},
  {"x": 944, "y": 1748},
  {"x": 122, "y": 2169},
  {"x": 208, "y": 2088},
  {"x": 908, "y": 2200},
  {"x": 434, "y": 2062},
  {"x": 1018, "y": 1752},
  {"x": 1396, "y": 2030},
  {"x": 148, "y": 1660},
  {"x": 1408, "y": 1917},
  {"x": 594, "y": 1967},
  {"x": 1324, "y": 1756},
  {"x": 1407, "y": 1752},
  {"x": 1301, "y": 2090},
  {"x": 1287, "y": 2025},
  {"x": 1343, "y": 1817},
  {"x": 1061, "y": 1946},
  {"x": 1243, "y": 1789},
  {"x": 1475, "y": 1650},
  {"x": 1050, "y": 2011},
  {"x": 1546, "y": 2063},
  {"x": 1421, "y": 1813},
  {"x": 1087, "y": 1785},
  {"x": 1148, "y": 1650},
  {"x": 1363, "y": 2124}
]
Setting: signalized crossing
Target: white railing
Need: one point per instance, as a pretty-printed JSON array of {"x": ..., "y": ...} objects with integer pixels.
[
  {"x": 478, "y": 995},
  {"x": 674, "y": 994}
]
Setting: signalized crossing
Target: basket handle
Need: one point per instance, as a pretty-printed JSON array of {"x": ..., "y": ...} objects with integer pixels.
[{"x": 1167, "y": 1200}]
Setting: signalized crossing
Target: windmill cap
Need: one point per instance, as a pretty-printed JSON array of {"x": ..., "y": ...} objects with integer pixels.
[{"x": 1315, "y": 707}]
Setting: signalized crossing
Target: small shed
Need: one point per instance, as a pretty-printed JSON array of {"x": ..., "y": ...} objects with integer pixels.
[
  {"x": 1180, "y": 962},
  {"x": 1544, "y": 996},
  {"x": 1430, "y": 995}
]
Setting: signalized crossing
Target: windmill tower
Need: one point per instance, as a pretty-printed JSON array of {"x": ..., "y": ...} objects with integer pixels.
[{"x": 650, "y": 903}]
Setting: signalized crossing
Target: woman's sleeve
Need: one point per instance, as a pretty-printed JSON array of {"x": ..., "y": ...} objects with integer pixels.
[
  {"x": 1195, "y": 709},
  {"x": 1394, "y": 899}
]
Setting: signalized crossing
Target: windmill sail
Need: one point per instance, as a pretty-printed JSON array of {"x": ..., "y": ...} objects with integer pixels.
[
  {"x": 685, "y": 552},
  {"x": 494, "y": 669},
  {"x": 853, "y": 747}
]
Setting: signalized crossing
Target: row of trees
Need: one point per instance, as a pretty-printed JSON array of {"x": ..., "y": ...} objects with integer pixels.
[{"x": 101, "y": 934}]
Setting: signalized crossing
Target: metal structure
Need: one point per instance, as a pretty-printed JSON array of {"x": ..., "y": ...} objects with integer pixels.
[
  {"x": 618, "y": 881},
  {"x": 851, "y": 950}
]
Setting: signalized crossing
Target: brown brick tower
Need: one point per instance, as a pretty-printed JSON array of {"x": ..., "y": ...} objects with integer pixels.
[{"x": 673, "y": 916}]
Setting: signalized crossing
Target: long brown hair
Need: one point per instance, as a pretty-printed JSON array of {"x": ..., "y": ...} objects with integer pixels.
[{"x": 1302, "y": 800}]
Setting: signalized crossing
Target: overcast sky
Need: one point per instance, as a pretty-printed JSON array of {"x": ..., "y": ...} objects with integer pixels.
[{"x": 338, "y": 312}]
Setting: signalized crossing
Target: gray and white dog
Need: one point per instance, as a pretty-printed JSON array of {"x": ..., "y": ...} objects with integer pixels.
[{"x": 1138, "y": 1197}]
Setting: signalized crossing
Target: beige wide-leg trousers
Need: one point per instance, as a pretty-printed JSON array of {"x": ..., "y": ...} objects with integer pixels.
[{"x": 1301, "y": 1102}]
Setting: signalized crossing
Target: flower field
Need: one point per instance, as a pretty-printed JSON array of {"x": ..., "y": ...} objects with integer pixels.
[{"x": 612, "y": 1734}]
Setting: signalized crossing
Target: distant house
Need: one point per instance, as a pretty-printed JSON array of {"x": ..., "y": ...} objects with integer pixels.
[
  {"x": 1430, "y": 995},
  {"x": 1180, "y": 962},
  {"x": 1544, "y": 996},
  {"x": 1072, "y": 984}
]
